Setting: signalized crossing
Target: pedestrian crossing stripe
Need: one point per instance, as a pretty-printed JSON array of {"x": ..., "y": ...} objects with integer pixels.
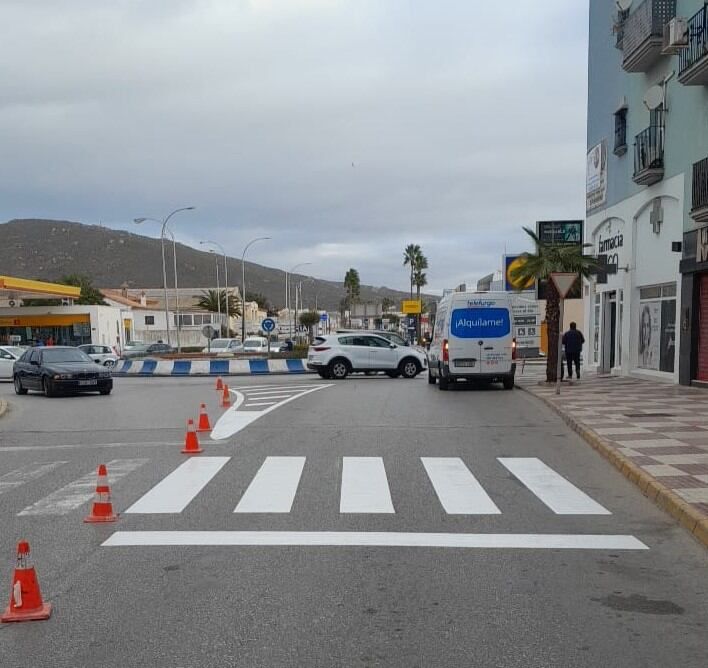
[{"x": 364, "y": 486}]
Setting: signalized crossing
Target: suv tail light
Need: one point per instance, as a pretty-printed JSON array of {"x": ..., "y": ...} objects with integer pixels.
[
  {"x": 320, "y": 349},
  {"x": 513, "y": 348},
  {"x": 445, "y": 351}
]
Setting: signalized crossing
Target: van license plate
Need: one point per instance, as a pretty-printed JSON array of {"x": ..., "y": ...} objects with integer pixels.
[
  {"x": 88, "y": 382},
  {"x": 467, "y": 363}
]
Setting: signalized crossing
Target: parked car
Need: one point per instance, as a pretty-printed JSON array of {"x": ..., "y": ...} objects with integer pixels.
[
  {"x": 223, "y": 346},
  {"x": 133, "y": 344},
  {"x": 56, "y": 369},
  {"x": 336, "y": 356},
  {"x": 473, "y": 340},
  {"x": 147, "y": 349},
  {"x": 8, "y": 356},
  {"x": 102, "y": 354},
  {"x": 255, "y": 344}
]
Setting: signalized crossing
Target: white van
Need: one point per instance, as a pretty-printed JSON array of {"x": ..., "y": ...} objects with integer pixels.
[{"x": 473, "y": 340}]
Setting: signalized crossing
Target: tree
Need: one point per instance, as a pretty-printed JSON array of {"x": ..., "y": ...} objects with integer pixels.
[
  {"x": 352, "y": 284},
  {"x": 89, "y": 294},
  {"x": 414, "y": 258},
  {"x": 420, "y": 279},
  {"x": 309, "y": 319},
  {"x": 214, "y": 302},
  {"x": 549, "y": 258},
  {"x": 260, "y": 299},
  {"x": 411, "y": 256},
  {"x": 387, "y": 303}
]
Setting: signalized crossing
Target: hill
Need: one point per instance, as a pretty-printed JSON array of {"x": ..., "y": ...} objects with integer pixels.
[{"x": 49, "y": 249}]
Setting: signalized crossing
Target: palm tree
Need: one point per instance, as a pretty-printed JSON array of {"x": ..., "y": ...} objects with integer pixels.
[
  {"x": 309, "y": 319},
  {"x": 214, "y": 302},
  {"x": 420, "y": 279},
  {"x": 411, "y": 258},
  {"x": 547, "y": 259},
  {"x": 353, "y": 285}
]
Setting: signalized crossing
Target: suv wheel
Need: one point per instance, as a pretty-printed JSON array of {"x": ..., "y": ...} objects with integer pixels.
[
  {"x": 18, "y": 386},
  {"x": 338, "y": 369},
  {"x": 409, "y": 368}
]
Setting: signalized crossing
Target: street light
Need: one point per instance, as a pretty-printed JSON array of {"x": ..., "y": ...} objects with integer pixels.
[
  {"x": 226, "y": 285},
  {"x": 163, "y": 222},
  {"x": 243, "y": 284},
  {"x": 287, "y": 292},
  {"x": 218, "y": 290}
]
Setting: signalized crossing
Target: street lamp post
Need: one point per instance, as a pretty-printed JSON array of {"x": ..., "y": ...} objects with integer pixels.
[
  {"x": 243, "y": 285},
  {"x": 226, "y": 285},
  {"x": 164, "y": 222},
  {"x": 287, "y": 292}
]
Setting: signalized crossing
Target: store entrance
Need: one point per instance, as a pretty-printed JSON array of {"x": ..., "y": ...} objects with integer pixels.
[
  {"x": 609, "y": 332},
  {"x": 702, "y": 357}
]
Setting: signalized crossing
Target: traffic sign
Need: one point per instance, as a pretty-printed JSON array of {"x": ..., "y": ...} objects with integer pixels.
[
  {"x": 411, "y": 306},
  {"x": 268, "y": 325},
  {"x": 563, "y": 282},
  {"x": 324, "y": 317}
]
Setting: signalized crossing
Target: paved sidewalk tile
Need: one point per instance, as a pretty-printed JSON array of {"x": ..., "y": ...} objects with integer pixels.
[{"x": 659, "y": 427}]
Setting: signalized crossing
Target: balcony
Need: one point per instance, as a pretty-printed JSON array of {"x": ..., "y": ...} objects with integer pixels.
[
  {"x": 699, "y": 198},
  {"x": 693, "y": 60},
  {"x": 643, "y": 34},
  {"x": 649, "y": 156}
]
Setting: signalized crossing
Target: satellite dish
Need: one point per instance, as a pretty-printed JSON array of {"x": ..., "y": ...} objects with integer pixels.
[
  {"x": 624, "y": 5},
  {"x": 654, "y": 97}
]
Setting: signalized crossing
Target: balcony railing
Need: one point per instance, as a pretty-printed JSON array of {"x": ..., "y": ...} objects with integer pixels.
[
  {"x": 649, "y": 156},
  {"x": 693, "y": 60},
  {"x": 699, "y": 197},
  {"x": 643, "y": 34}
]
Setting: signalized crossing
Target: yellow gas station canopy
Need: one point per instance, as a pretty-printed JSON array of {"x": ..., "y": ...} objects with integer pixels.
[{"x": 22, "y": 288}]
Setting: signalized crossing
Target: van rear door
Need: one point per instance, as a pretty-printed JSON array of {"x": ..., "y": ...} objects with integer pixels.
[{"x": 480, "y": 336}]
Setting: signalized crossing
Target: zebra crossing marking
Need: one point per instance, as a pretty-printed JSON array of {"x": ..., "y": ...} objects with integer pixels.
[
  {"x": 459, "y": 492},
  {"x": 78, "y": 492},
  {"x": 273, "y": 488},
  {"x": 364, "y": 486},
  {"x": 374, "y": 539},
  {"x": 26, "y": 474},
  {"x": 551, "y": 488},
  {"x": 175, "y": 492}
]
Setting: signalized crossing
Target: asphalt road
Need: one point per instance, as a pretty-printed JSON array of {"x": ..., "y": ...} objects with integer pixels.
[{"x": 338, "y": 604}]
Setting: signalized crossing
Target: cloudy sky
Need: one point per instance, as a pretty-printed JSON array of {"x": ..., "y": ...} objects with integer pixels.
[{"x": 343, "y": 129}]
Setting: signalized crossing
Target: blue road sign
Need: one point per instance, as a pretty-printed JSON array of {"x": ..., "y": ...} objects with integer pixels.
[
  {"x": 268, "y": 325},
  {"x": 324, "y": 317}
]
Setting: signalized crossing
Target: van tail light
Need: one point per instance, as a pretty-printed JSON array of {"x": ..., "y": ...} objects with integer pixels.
[
  {"x": 445, "y": 351},
  {"x": 513, "y": 348},
  {"x": 320, "y": 349}
]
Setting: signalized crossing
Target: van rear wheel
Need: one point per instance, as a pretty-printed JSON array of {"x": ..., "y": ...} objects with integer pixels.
[
  {"x": 508, "y": 382},
  {"x": 444, "y": 383}
]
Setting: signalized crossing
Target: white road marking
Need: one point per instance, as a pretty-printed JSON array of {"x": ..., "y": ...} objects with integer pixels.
[
  {"x": 364, "y": 486},
  {"x": 263, "y": 403},
  {"x": 76, "y": 493},
  {"x": 276, "y": 393},
  {"x": 268, "y": 396},
  {"x": 26, "y": 474},
  {"x": 374, "y": 539},
  {"x": 273, "y": 488},
  {"x": 233, "y": 420},
  {"x": 458, "y": 490},
  {"x": 72, "y": 446},
  {"x": 559, "y": 494},
  {"x": 175, "y": 492}
]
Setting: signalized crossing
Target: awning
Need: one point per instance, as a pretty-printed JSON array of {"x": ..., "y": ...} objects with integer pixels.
[{"x": 22, "y": 288}]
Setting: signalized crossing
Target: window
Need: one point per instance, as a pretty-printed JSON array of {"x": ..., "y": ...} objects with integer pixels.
[
  {"x": 346, "y": 340},
  {"x": 621, "y": 131},
  {"x": 377, "y": 342},
  {"x": 5, "y": 355},
  {"x": 149, "y": 319},
  {"x": 657, "y": 328}
]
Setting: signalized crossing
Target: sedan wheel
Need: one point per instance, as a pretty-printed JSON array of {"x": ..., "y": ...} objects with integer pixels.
[
  {"x": 18, "y": 386},
  {"x": 109, "y": 364},
  {"x": 47, "y": 388}
]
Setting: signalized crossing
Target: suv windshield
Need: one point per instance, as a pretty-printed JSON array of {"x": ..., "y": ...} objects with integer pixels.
[{"x": 65, "y": 355}]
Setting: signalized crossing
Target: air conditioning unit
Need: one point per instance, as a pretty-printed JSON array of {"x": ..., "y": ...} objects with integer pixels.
[{"x": 675, "y": 36}]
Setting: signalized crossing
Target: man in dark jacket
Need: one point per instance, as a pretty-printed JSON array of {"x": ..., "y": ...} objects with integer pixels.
[{"x": 573, "y": 341}]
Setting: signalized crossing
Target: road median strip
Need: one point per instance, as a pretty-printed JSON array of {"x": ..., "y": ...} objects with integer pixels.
[{"x": 687, "y": 516}]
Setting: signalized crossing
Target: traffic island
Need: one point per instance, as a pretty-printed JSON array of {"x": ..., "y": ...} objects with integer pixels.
[
  {"x": 210, "y": 367},
  {"x": 655, "y": 434}
]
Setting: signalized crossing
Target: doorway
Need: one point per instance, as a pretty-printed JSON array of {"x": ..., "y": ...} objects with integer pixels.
[{"x": 609, "y": 332}]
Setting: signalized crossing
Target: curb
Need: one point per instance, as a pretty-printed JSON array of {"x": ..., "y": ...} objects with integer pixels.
[
  {"x": 691, "y": 519},
  {"x": 122, "y": 374},
  {"x": 3, "y": 407}
]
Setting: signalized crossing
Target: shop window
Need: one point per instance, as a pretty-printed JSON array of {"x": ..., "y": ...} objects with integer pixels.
[
  {"x": 657, "y": 328},
  {"x": 149, "y": 319},
  {"x": 596, "y": 330}
]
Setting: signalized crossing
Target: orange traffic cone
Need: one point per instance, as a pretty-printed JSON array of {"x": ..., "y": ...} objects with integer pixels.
[
  {"x": 219, "y": 383},
  {"x": 26, "y": 602},
  {"x": 191, "y": 442},
  {"x": 102, "y": 508},
  {"x": 203, "y": 424},
  {"x": 226, "y": 397}
]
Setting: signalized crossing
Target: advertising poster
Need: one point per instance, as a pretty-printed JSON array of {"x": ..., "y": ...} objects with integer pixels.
[
  {"x": 668, "y": 335},
  {"x": 649, "y": 335},
  {"x": 596, "y": 175}
]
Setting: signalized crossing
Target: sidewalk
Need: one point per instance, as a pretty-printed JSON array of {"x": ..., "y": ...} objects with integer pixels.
[{"x": 655, "y": 433}]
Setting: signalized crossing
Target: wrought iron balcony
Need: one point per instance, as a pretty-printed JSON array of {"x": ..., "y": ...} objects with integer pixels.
[
  {"x": 649, "y": 156},
  {"x": 699, "y": 198},
  {"x": 693, "y": 60},
  {"x": 643, "y": 34}
]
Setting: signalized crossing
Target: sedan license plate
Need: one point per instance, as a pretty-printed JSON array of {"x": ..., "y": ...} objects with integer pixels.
[
  {"x": 467, "y": 363},
  {"x": 88, "y": 382}
]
